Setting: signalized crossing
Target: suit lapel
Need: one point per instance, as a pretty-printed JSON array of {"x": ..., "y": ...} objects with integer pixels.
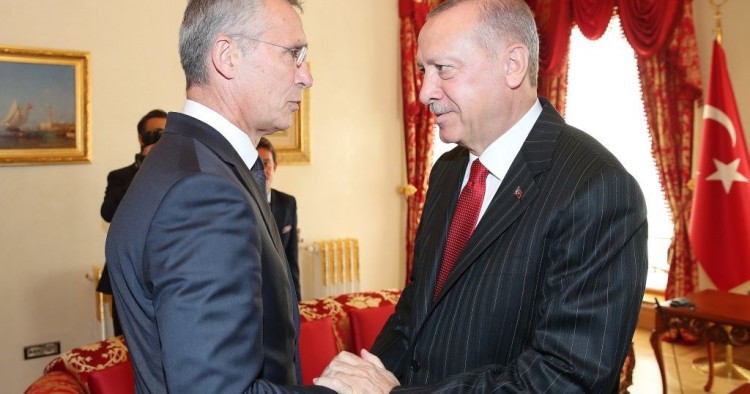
[
  {"x": 504, "y": 209},
  {"x": 182, "y": 124},
  {"x": 178, "y": 123},
  {"x": 445, "y": 186},
  {"x": 507, "y": 206}
]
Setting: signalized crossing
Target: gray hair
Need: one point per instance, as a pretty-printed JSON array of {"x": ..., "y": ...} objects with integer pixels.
[
  {"x": 204, "y": 20},
  {"x": 500, "y": 20}
]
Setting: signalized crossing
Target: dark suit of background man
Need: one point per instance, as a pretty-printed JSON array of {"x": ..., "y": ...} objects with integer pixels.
[
  {"x": 284, "y": 208},
  {"x": 149, "y": 129},
  {"x": 545, "y": 294},
  {"x": 197, "y": 267}
]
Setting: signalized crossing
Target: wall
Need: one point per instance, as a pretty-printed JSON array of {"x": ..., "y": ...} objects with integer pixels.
[
  {"x": 51, "y": 233},
  {"x": 357, "y": 141},
  {"x": 735, "y": 36}
]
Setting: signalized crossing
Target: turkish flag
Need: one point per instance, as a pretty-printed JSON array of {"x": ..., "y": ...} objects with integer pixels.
[{"x": 720, "y": 220}]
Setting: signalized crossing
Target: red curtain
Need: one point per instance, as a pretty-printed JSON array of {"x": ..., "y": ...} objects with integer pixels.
[
  {"x": 554, "y": 22},
  {"x": 418, "y": 121},
  {"x": 671, "y": 85},
  {"x": 663, "y": 36}
]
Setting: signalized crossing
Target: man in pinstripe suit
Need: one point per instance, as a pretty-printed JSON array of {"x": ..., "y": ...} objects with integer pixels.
[{"x": 545, "y": 294}]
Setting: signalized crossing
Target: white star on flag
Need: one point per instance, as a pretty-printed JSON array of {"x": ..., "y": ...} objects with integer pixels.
[{"x": 727, "y": 173}]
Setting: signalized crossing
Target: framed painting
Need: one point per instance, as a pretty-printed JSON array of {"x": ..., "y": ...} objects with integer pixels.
[
  {"x": 45, "y": 106},
  {"x": 293, "y": 144}
]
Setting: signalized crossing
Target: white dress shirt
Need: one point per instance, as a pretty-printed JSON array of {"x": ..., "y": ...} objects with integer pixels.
[
  {"x": 237, "y": 138},
  {"x": 500, "y": 154}
]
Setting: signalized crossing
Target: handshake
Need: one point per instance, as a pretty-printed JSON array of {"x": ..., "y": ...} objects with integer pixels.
[{"x": 348, "y": 373}]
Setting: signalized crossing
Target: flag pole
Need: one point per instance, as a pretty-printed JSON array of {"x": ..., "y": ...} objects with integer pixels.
[
  {"x": 717, "y": 16},
  {"x": 716, "y": 4}
]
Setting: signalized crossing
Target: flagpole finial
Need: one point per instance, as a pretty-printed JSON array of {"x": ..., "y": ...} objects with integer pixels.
[{"x": 717, "y": 15}]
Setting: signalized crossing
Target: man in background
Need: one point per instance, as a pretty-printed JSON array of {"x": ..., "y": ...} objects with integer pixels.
[
  {"x": 205, "y": 294},
  {"x": 149, "y": 130},
  {"x": 530, "y": 259},
  {"x": 284, "y": 208}
]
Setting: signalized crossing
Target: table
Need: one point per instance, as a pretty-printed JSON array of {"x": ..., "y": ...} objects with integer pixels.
[{"x": 719, "y": 317}]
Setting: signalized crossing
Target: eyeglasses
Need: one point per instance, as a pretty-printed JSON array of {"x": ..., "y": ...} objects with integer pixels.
[{"x": 299, "y": 54}]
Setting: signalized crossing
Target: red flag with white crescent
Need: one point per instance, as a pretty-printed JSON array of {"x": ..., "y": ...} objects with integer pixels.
[{"x": 720, "y": 219}]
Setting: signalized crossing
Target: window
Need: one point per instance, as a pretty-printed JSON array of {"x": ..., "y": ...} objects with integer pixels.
[{"x": 604, "y": 100}]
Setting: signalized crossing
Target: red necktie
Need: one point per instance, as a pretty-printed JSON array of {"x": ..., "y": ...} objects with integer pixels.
[{"x": 464, "y": 219}]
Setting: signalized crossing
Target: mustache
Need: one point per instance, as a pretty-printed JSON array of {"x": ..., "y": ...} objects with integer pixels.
[{"x": 438, "y": 108}]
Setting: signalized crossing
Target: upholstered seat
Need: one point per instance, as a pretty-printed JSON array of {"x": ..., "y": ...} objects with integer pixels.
[
  {"x": 367, "y": 323},
  {"x": 325, "y": 329},
  {"x": 317, "y": 347}
]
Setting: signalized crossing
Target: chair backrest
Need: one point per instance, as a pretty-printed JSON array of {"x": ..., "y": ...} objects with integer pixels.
[
  {"x": 118, "y": 379},
  {"x": 83, "y": 361},
  {"x": 367, "y": 324},
  {"x": 317, "y": 347}
]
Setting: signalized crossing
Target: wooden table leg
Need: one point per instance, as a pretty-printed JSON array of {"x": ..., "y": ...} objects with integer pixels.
[
  {"x": 656, "y": 345},
  {"x": 710, "y": 382}
]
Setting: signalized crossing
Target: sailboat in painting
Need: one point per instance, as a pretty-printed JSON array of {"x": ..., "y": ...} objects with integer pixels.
[
  {"x": 17, "y": 116},
  {"x": 66, "y": 129}
]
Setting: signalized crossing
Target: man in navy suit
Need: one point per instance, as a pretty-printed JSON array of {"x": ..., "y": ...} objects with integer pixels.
[
  {"x": 543, "y": 293},
  {"x": 200, "y": 279},
  {"x": 149, "y": 130},
  {"x": 284, "y": 208}
]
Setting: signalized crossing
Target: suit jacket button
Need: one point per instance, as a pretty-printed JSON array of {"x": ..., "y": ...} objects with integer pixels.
[{"x": 415, "y": 365}]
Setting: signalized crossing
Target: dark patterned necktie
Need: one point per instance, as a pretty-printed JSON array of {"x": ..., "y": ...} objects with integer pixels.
[
  {"x": 259, "y": 175},
  {"x": 465, "y": 217}
]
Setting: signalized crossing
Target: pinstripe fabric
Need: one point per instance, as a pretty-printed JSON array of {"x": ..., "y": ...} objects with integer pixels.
[{"x": 545, "y": 296}]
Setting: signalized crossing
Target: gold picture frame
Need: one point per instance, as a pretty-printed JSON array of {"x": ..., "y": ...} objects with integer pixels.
[
  {"x": 293, "y": 144},
  {"x": 45, "y": 106}
]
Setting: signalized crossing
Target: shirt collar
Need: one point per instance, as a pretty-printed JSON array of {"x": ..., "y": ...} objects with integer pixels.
[
  {"x": 237, "y": 138},
  {"x": 500, "y": 154}
]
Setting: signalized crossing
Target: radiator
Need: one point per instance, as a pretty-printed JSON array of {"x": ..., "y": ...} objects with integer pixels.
[{"x": 335, "y": 267}]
